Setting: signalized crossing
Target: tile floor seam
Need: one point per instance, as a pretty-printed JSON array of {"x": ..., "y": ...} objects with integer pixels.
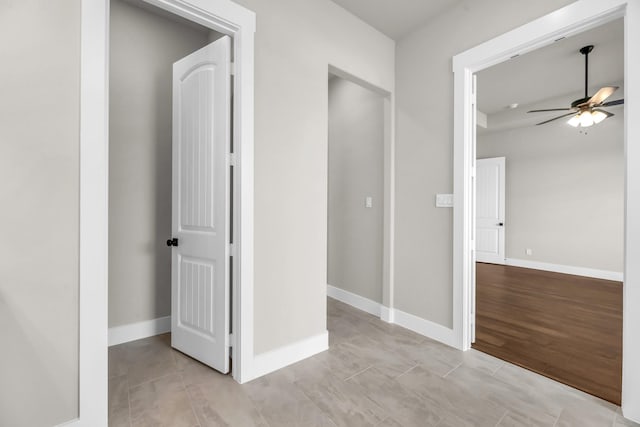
[
  {"x": 380, "y": 423},
  {"x": 301, "y": 390},
  {"x": 558, "y": 417},
  {"x": 184, "y": 388},
  {"x": 358, "y": 373},
  {"x": 255, "y": 407},
  {"x": 506, "y": 411},
  {"x": 407, "y": 371},
  {"x": 499, "y": 367},
  {"x": 154, "y": 379},
  {"x": 129, "y": 403},
  {"x": 259, "y": 413},
  {"x": 421, "y": 398},
  {"x": 411, "y": 368},
  {"x": 445, "y": 375}
]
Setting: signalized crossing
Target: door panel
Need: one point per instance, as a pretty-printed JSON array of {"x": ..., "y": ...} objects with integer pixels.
[
  {"x": 490, "y": 210},
  {"x": 200, "y": 216}
]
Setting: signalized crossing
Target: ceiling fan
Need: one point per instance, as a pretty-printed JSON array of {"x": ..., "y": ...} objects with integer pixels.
[{"x": 586, "y": 111}]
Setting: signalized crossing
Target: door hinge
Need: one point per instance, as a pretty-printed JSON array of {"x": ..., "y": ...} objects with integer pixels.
[
  {"x": 232, "y": 159},
  {"x": 232, "y": 68},
  {"x": 232, "y": 249},
  {"x": 232, "y": 341}
]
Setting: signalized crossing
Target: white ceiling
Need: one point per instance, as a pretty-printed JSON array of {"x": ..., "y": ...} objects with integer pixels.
[
  {"x": 554, "y": 71},
  {"x": 396, "y": 18}
]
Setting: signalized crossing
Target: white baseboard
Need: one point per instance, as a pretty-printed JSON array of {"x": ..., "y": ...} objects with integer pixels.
[
  {"x": 361, "y": 303},
  {"x": 387, "y": 314},
  {"x": 424, "y": 327},
  {"x": 391, "y": 315},
  {"x": 279, "y": 358},
  {"x": 566, "y": 269},
  {"x": 137, "y": 331}
]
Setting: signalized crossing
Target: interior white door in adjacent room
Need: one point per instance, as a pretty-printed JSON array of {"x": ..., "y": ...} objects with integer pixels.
[
  {"x": 490, "y": 210},
  {"x": 200, "y": 279}
]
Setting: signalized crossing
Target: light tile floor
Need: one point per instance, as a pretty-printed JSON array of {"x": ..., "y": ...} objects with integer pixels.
[{"x": 375, "y": 374}]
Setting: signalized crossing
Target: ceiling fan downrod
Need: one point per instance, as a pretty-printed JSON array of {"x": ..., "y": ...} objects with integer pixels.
[{"x": 585, "y": 51}]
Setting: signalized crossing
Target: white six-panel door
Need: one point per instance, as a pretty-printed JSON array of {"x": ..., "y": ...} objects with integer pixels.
[
  {"x": 490, "y": 210},
  {"x": 200, "y": 287}
]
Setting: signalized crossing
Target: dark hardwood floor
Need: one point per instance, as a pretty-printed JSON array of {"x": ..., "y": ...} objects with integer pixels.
[{"x": 565, "y": 327}]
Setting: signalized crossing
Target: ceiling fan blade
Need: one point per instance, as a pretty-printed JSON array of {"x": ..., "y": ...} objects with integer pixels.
[
  {"x": 612, "y": 103},
  {"x": 608, "y": 114},
  {"x": 549, "y": 109},
  {"x": 556, "y": 118},
  {"x": 600, "y": 96}
]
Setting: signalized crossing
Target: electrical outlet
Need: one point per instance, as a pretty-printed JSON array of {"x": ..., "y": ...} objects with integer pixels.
[{"x": 528, "y": 251}]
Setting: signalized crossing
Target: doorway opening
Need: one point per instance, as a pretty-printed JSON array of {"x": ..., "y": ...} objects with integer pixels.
[
  {"x": 360, "y": 199},
  {"x": 570, "y": 20},
  {"x": 170, "y": 211},
  {"x": 224, "y": 17},
  {"x": 551, "y": 300}
]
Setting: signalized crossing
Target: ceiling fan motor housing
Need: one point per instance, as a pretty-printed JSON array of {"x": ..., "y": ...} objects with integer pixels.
[{"x": 577, "y": 102}]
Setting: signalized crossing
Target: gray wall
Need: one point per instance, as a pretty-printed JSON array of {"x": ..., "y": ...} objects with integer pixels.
[
  {"x": 144, "y": 46},
  {"x": 356, "y": 171},
  {"x": 424, "y": 145},
  {"x": 39, "y": 190},
  {"x": 564, "y": 192},
  {"x": 295, "y": 43}
]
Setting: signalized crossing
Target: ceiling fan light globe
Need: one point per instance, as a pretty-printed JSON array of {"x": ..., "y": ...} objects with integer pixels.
[
  {"x": 586, "y": 119},
  {"x": 574, "y": 121},
  {"x": 598, "y": 116}
]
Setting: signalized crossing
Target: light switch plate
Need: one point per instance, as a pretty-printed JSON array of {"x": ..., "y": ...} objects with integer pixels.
[
  {"x": 368, "y": 202},
  {"x": 444, "y": 200}
]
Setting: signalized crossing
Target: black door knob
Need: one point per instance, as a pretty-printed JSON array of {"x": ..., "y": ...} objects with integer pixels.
[
  {"x": 500, "y": 224},
  {"x": 172, "y": 242}
]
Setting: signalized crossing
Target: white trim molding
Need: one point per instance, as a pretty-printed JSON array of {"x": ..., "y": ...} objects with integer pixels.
[
  {"x": 573, "y": 19},
  {"x": 94, "y": 214},
  {"x": 282, "y": 357},
  {"x": 427, "y": 328},
  {"x": 354, "y": 300},
  {"x": 566, "y": 269},
  {"x": 139, "y": 330},
  {"x": 387, "y": 314}
]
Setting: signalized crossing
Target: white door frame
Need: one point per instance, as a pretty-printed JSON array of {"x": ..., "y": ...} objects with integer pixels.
[
  {"x": 386, "y": 311},
  {"x": 575, "y": 18},
  {"x": 225, "y": 17}
]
